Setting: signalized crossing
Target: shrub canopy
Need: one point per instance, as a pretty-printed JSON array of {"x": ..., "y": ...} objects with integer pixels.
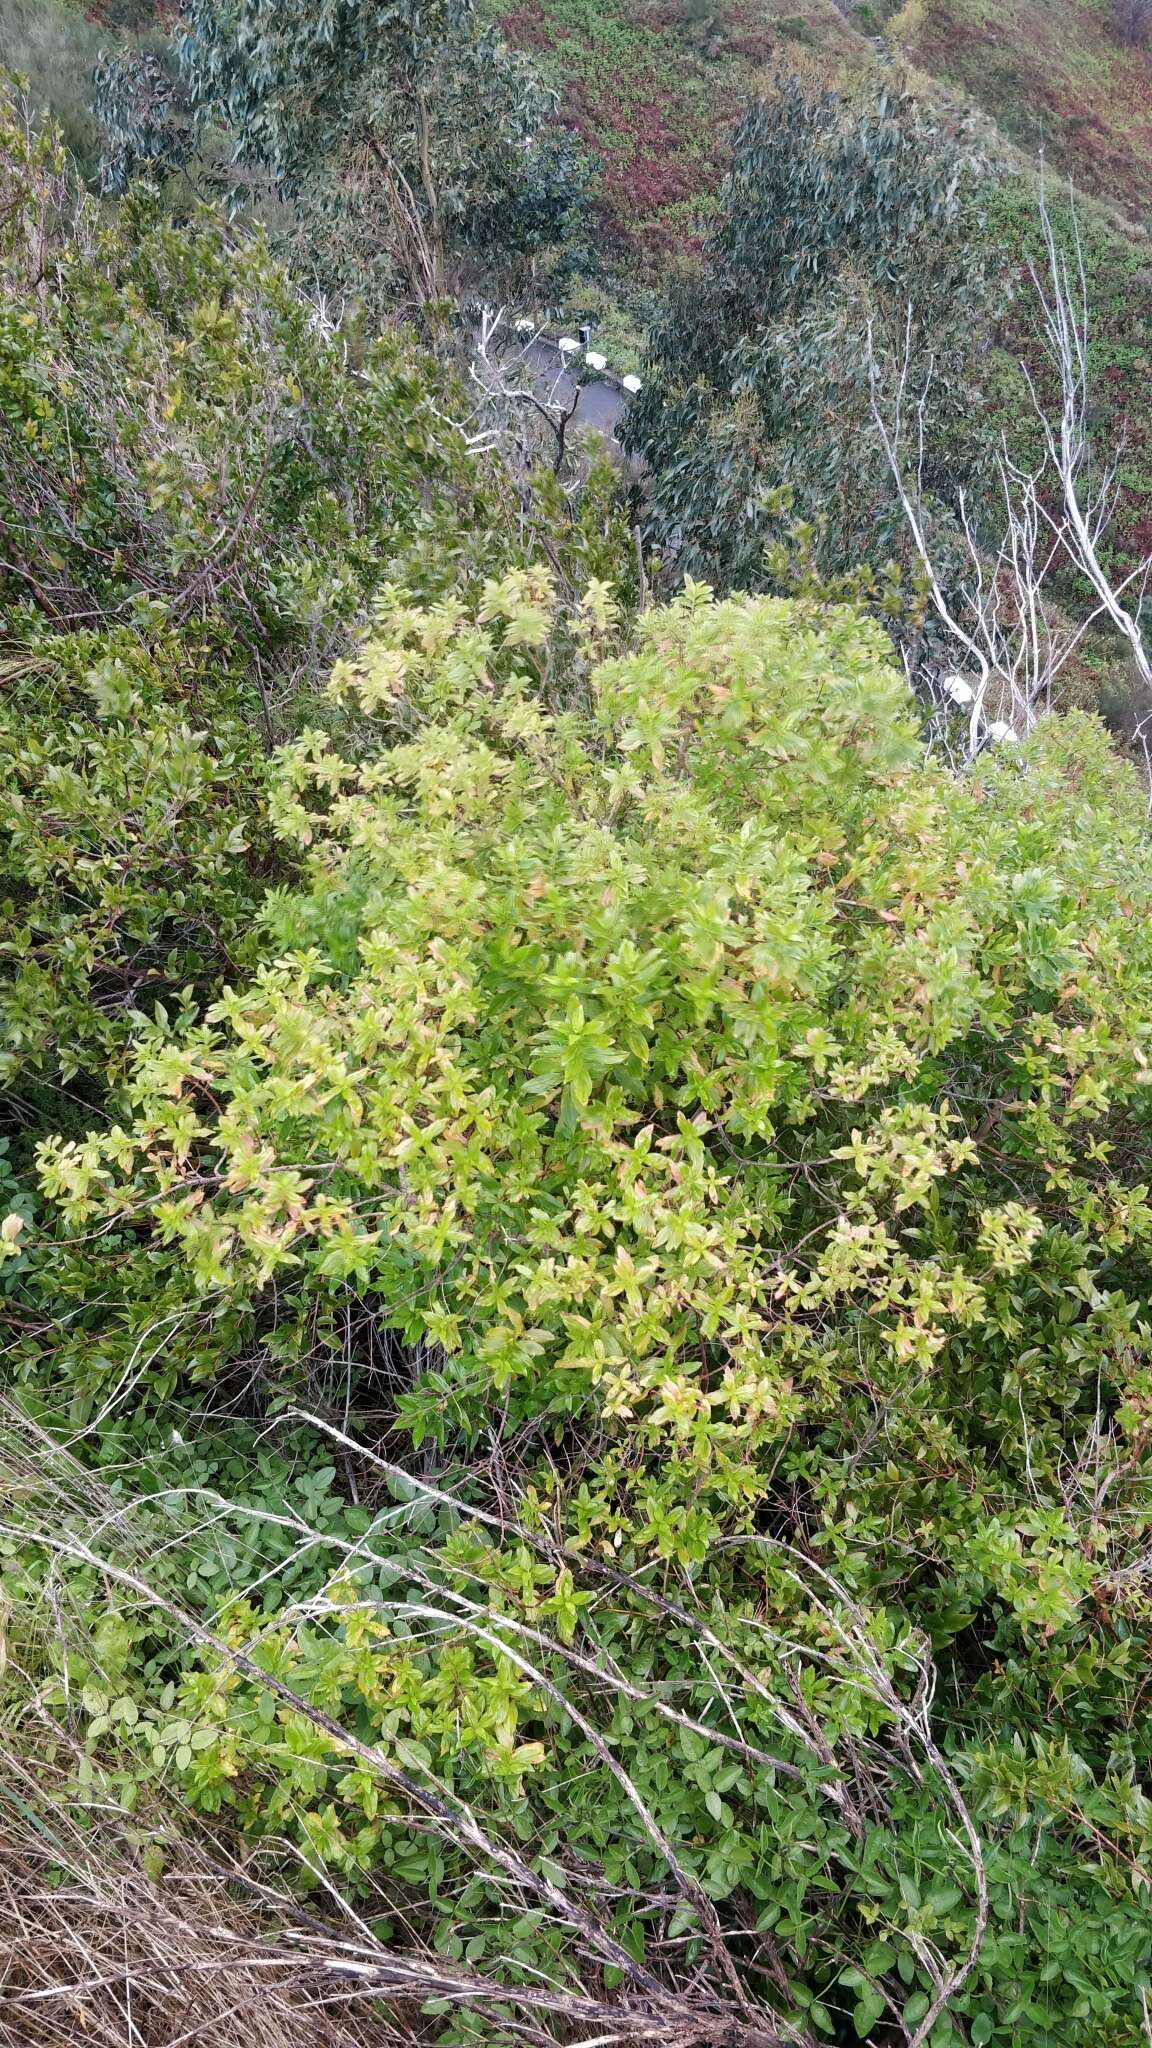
[
  {"x": 577, "y": 1364},
  {"x": 748, "y": 1120}
]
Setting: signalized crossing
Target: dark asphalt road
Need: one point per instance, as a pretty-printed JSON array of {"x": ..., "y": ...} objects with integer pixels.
[{"x": 602, "y": 405}]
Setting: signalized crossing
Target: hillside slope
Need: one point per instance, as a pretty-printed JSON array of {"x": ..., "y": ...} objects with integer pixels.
[
  {"x": 653, "y": 86},
  {"x": 1053, "y": 73}
]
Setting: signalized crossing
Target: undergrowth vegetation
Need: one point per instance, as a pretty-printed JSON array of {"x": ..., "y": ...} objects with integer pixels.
[
  {"x": 1062, "y": 75},
  {"x": 575, "y": 1235},
  {"x": 659, "y": 1075}
]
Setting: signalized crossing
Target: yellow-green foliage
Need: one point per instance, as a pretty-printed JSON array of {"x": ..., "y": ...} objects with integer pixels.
[
  {"x": 694, "y": 1145},
  {"x": 748, "y": 1121},
  {"x": 662, "y": 1062},
  {"x": 577, "y": 946}
]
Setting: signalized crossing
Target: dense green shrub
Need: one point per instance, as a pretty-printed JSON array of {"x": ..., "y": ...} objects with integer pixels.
[
  {"x": 577, "y": 1374},
  {"x": 746, "y": 1122},
  {"x": 202, "y": 483},
  {"x": 131, "y": 848},
  {"x": 188, "y": 429}
]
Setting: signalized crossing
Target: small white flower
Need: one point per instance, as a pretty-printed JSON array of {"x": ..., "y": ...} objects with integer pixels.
[
  {"x": 631, "y": 385},
  {"x": 567, "y": 345},
  {"x": 594, "y": 361}
]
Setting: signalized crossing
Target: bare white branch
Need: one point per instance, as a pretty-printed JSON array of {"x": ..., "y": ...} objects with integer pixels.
[{"x": 1013, "y": 636}]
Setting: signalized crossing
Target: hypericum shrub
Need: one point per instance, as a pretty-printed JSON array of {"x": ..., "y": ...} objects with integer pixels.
[
  {"x": 696, "y": 1067},
  {"x": 676, "y": 1095},
  {"x": 553, "y": 950}
]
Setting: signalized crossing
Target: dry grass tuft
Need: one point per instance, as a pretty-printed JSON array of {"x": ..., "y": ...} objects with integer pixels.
[{"x": 114, "y": 1940}]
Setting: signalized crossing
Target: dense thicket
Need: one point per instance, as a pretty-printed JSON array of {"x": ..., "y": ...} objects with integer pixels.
[
  {"x": 574, "y": 1252},
  {"x": 745, "y": 1123},
  {"x": 201, "y": 488}
]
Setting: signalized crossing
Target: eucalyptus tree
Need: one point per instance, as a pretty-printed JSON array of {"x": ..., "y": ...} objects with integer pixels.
[
  {"x": 407, "y": 130},
  {"x": 838, "y": 218}
]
